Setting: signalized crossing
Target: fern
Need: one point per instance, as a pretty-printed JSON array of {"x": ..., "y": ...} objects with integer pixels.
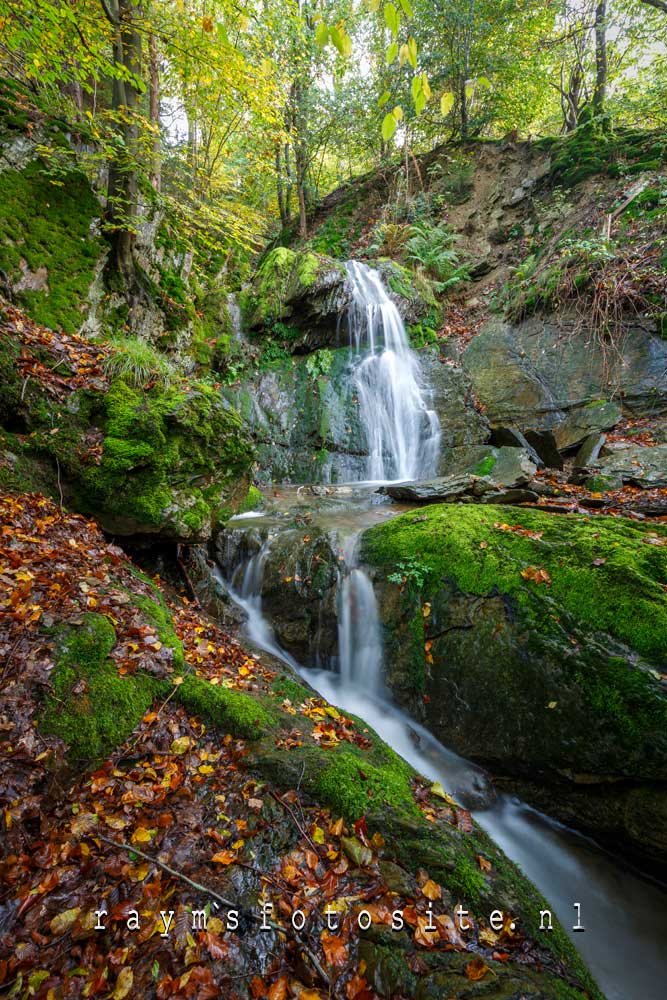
[{"x": 431, "y": 246}]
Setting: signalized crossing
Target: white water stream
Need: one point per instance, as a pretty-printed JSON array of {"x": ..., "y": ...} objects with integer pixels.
[{"x": 402, "y": 430}]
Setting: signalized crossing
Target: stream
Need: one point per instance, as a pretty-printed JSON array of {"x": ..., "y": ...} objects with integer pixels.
[{"x": 624, "y": 914}]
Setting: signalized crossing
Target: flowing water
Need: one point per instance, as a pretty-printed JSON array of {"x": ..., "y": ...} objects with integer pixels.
[
  {"x": 624, "y": 915},
  {"x": 402, "y": 431}
]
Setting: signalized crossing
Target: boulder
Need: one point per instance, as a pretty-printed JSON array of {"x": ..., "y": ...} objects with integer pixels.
[
  {"x": 530, "y": 375},
  {"x": 535, "y": 645},
  {"x": 304, "y": 291},
  {"x": 580, "y": 423},
  {"x": 634, "y": 466},
  {"x": 589, "y": 450},
  {"x": 513, "y": 438}
]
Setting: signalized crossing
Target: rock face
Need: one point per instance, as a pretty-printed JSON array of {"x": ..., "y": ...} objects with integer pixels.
[
  {"x": 539, "y": 646},
  {"x": 304, "y": 416},
  {"x": 533, "y": 374},
  {"x": 638, "y": 466}
]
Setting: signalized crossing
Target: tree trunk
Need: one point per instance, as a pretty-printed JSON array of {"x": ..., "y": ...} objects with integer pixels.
[
  {"x": 601, "y": 61},
  {"x": 280, "y": 190},
  {"x": 123, "y": 189},
  {"x": 154, "y": 111}
]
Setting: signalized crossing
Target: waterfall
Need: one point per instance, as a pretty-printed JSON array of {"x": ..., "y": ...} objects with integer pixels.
[
  {"x": 402, "y": 432},
  {"x": 359, "y": 635}
]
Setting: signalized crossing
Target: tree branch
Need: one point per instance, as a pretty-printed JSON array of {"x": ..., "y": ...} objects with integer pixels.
[{"x": 658, "y": 4}]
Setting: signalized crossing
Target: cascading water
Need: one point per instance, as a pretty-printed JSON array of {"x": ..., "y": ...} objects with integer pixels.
[
  {"x": 402, "y": 431},
  {"x": 359, "y": 638}
]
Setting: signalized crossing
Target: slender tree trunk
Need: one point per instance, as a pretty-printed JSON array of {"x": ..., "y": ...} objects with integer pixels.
[
  {"x": 123, "y": 190},
  {"x": 154, "y": 111},
  {"x": 280, "y": 190},
  {"x": 289, "y": 183},
  {"x": 601, "y": 61}
]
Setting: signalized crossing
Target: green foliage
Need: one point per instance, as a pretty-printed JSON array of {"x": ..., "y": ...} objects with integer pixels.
[
  {"x": 431, "y": 246},
  {"x": 412, "y": 572},
  {"x": 319, "y": 363},
  {"x": 136, "y": 361}
]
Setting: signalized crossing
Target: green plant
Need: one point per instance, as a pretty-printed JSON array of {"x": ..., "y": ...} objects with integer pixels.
[
  {"x": 136, "y": 361},
  {"x": 412, "y": 572},
  {"x": 319, "y": 363},
  {"x": 431, "y": 246}
]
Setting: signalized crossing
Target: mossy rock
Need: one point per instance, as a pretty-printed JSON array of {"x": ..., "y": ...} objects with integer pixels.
[
  {"x": 538, "y": 642},
  {"x": 173, "y": 456},
  {"x": 92, "y": 708},
  {"x": 296, "y": 298},
  {"x": 46, "y": 244}
]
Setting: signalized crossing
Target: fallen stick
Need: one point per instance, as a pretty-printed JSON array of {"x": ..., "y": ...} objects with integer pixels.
[{"x": 131, "y": 849}]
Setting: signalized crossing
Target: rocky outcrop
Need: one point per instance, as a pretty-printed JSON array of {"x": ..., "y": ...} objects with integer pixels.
[
  {"x": 633, "y": 466},
  {"x": 532, "y": 375},
  {"x": 535, "y": 645},
  {"x": 488, "y": 475},
  {"x": 305, "y": 292}
]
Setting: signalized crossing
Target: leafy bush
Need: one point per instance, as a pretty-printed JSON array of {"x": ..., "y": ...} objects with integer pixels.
[
  {"x": 319, "y": 363},
  {"x": 431, "y": 246},
  {"x": 136, "y": 361}
]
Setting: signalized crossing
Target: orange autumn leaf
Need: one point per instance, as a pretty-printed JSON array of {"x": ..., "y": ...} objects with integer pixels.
[
  {"x": 334, "y": 948},
  {"x": 278, "y": 990},
  {"x": 224, "y": 857},
  {"x": 536, "y": 574},
  {"x": 476, "y": 969}
]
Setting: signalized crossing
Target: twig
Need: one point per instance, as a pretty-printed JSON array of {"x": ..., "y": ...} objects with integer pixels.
[
  {"x": 131, "y": 849},
  {"x": 296, "y": 822},
  {"x": 60, "y": 489}
]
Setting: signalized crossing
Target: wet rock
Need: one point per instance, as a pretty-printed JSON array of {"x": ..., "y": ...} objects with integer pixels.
[
  {"x": 307, "y": 425},
  {"x": 580, "y": 423},
  {"x": 458, "y": 488}
]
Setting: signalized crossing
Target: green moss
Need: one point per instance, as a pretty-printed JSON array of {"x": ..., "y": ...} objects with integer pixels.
[
  {"x": 353, "y": 786},
  {"x": 158, "y": 615},
  {"x": 485, "y": 467},
  {"x": 287, "y": 687},
  {"x": 229, "y": 711},
  {"x": 466, "y": 880},
  {"x": 92, "y": 708},
  {"x": 45, "y": 224},
  {"x": 308, "y": 267},
  {"x": 254, "y": 500},
  {"x": 623, "y": 595},
  {"x": 170, "y": 457}
]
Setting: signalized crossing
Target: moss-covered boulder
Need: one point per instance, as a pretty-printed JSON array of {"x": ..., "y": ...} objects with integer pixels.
[
  {"x": 302, "y": 294},
  {"x": 537, "y": 648},
  {"x": 169, "y": 457}
]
